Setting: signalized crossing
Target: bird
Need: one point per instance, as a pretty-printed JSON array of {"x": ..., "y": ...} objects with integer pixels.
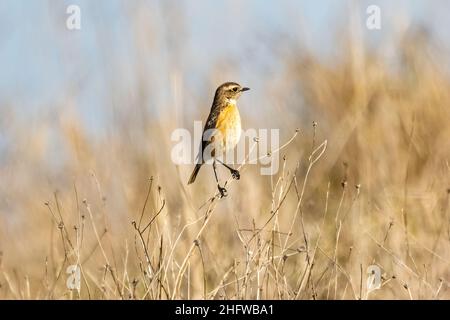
[{"x": 222, "y": 131}]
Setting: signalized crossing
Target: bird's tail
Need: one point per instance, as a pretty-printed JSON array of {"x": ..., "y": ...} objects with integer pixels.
[{"x": 195, "y": 173}]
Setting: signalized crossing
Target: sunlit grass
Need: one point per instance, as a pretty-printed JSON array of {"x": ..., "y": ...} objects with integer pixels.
[{"x": 366, "y": 183}]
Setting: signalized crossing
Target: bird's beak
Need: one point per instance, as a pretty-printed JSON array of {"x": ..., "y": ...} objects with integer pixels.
[{"x": 244, "y": 89}]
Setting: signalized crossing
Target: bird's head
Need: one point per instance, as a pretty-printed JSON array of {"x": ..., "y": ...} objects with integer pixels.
[{"x": 230, "y": 92}]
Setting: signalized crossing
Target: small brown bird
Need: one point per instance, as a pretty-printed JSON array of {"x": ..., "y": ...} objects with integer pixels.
[{"x": 222, "y": 130}]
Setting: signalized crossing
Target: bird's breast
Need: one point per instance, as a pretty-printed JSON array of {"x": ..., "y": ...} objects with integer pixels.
[{"x": 229, "y": 125}]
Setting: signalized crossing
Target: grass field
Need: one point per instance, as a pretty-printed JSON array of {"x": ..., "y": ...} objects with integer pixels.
[{"x": 364, "y": 181}]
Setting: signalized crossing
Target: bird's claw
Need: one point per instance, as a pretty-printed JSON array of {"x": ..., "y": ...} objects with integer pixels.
[
  {"x": 223, "y": 192},
  {"x": 235, "y": 174}
]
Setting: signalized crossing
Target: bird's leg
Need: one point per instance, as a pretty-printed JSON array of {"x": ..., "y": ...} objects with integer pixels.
[
  {"x": 234, "y": 173},
  {"x": 223, "y": 191}
]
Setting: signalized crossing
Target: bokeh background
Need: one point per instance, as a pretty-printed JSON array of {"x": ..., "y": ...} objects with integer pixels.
[{"x": 85, "y": 131}]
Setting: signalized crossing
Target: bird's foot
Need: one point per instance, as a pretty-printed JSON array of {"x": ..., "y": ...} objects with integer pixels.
[
  {"x": 235, "y": 174},
  {"x": 223, "y": 191}
]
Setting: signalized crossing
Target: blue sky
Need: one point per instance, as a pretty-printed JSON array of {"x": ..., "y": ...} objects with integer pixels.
[{"x": 40, "y": 60}]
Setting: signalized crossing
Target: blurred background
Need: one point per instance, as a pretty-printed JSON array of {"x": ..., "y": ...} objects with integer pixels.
[{"x": 85, "y": 123}]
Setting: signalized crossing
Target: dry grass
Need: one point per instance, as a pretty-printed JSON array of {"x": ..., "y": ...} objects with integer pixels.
[{"x": 366, "y": 184}]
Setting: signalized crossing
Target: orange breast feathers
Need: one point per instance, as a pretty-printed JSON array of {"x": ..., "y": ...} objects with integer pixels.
[{"x": 229, "y": 125}]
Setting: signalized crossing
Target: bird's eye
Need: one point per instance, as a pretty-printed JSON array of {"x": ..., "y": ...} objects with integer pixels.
[{"x": 235, "y": 89}]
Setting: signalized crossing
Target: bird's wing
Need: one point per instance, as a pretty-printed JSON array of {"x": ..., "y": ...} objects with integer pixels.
[{"x": 208, "y": 131}]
